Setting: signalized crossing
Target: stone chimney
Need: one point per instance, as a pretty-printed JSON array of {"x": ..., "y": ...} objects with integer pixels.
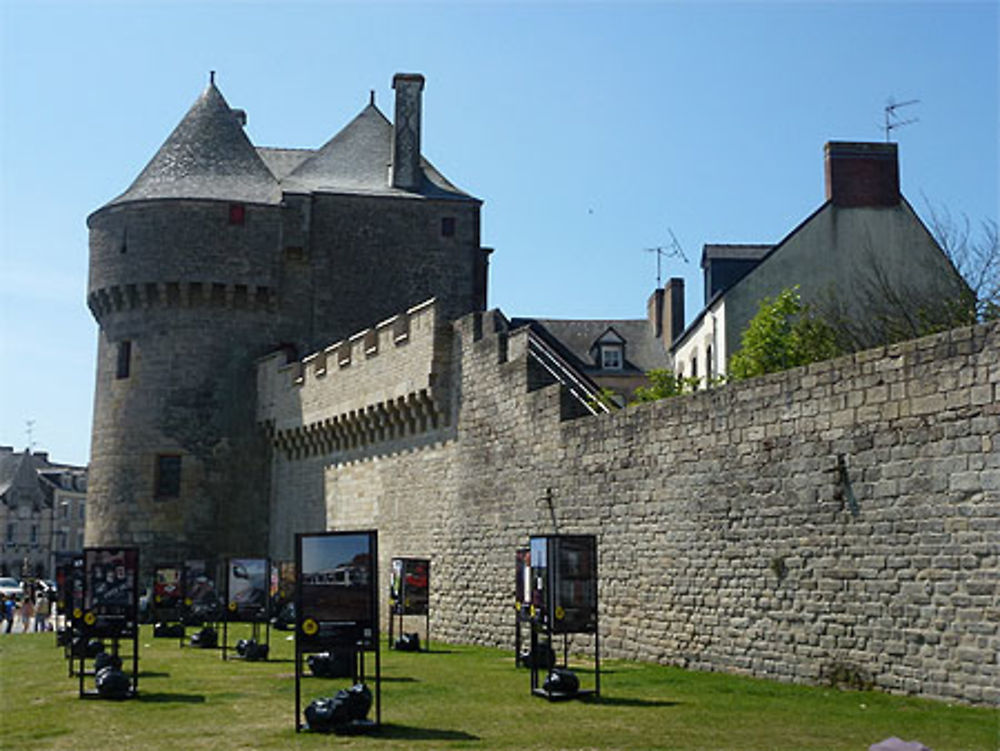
[
  {"x": 673, "y": 310},
  {"x": 861, "y": 174},
  {"x": 405, "y": 172}
]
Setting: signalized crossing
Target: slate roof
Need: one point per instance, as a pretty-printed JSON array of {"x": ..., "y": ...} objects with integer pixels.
[
  {"x": 209, "y": 156},
  {"x": 206, "y": 156},
  {"x": 357, "y": 160},
  {"x": 574, "y": 338}
]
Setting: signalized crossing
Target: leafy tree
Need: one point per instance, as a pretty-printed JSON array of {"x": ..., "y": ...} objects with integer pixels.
[
  {"x": 782, "y": 334},
  {"x": 664, "y": 384}
]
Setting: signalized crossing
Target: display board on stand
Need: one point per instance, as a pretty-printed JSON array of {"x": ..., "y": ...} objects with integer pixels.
[
  {"x": 409, "y": 595},
  {"x": 522, "y": 599},
  {"x": 336, "y": 606},
  {"x": 110, "y": 611},
  {"x": 248, "y": 601},
  {"x": 563, "y": 602}
]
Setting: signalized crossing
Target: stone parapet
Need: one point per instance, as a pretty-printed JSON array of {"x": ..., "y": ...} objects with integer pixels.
[{"x": 380, "y": 384}]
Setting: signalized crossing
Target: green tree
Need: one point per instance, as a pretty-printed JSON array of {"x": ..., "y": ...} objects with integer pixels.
[
  {"x": 663, "y": 384},
  {"x": 783, "y": 334}
]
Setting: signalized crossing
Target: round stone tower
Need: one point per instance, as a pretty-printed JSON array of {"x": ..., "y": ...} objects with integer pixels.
[
  {"x": 182, "y": 281},
  {"x": 221, "y": 252}
]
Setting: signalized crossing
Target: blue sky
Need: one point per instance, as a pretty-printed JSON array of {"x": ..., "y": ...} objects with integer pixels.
[{"x": 590, "y": 130}]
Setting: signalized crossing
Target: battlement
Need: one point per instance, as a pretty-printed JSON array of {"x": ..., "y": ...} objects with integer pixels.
[
  {"x": 117, "y": 298},
  {"x": 387, "y": 382}
]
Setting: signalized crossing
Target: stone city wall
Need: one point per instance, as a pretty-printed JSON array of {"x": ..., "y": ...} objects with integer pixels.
[{"x": 834, "y": 523}]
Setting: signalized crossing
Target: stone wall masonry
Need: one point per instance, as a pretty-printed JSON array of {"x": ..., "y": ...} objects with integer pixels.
[
  {"x": 835, "y": 523},
  {"x": 380, "y": 384}
]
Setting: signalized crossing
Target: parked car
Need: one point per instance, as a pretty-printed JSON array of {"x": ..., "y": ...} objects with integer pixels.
[{"x": 11, "y": 587}]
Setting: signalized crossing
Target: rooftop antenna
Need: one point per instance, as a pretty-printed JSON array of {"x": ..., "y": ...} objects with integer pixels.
[
  {"x": 672, "y": 250},
  {"x": 891, "y": 118},
  {"x": 30, "y": 431}
]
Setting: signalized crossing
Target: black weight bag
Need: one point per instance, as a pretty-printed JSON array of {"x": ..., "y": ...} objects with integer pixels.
[
  {"x": 207, "y": 638},
  {"x": 112, "y": 684},
  {"x": 338, "y": 664},
  {"x": 168, "y": 631},
  {"x": 561, "y": 681},
  {"x": 337, "y": 714},
  {"x": 408, "y": 643},
  {"x": 106, "y": 660}
]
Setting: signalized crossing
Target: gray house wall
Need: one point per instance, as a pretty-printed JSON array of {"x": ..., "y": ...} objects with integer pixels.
[{"x": 851, "y": 256}]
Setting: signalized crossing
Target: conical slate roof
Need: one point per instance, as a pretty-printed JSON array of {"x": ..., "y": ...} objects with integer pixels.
[
  {"x": 357, "y": 160},
  {"x": 206, "y": 156}
]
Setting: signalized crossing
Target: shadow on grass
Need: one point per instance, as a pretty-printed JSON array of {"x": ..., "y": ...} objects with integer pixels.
[
  {"x": 612, "y": 701},
  {"x": 152, "y": 674},
  {"x": 399, "y": 679},
  {"x": 408, "y": 733},
  {"x": 164, "y": 698}
]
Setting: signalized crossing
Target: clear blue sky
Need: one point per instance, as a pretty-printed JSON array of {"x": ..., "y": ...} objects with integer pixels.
[{"x": 590, "y": 130}]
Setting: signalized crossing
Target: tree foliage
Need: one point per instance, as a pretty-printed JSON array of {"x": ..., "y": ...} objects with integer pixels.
[
  {"x": 663, "y": 384},
  {"x": 975, "y": 255},
  {"x": 782, "y": 334}
]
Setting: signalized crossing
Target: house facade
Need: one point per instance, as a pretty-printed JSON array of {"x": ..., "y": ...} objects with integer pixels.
[
  {"x": 42, "y": 512},
  {"x": 863, "y": 259}
]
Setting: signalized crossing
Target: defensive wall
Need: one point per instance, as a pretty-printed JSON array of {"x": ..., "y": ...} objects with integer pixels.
[{"x": 838, "y": 522}]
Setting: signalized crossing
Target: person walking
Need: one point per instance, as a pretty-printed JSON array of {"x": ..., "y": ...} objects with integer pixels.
[
  {"x": 27, "y": 613},
  {"x": 9, "y": 606},
  {"x": 42, "y": 609}
]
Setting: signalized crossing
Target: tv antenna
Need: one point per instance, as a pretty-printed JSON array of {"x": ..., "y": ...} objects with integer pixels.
[
  {"x": 892, "y": 120},
  {"x": 30, "y": 430},
  {"x": 672, "y": 250}
]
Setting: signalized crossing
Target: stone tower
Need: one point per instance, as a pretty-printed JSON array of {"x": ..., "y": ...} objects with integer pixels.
[{"x": 221, "y": 252}]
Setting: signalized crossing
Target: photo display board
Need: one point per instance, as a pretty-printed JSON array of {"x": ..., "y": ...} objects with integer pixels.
[
  {"x": 247, "y": 584},
  {"x": 201, "y": 600},
  {"x": 110, "y": 592},
  {"x": 167, "y": 593},
  {"x": 69, "y": 582},
  {"x": 522, "y": 582},
  {"x": 564, "y": 583},
  {"x": 336, "y": 600},
  {"x": 282, "y": 584},
  {"x": 409, "y": 588}
]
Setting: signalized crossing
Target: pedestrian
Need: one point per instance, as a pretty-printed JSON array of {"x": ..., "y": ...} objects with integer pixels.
[
  {"x": 42, "y": 609},
  {"x": 9, "y": 606},
  {"x": 27, "y": 613}
]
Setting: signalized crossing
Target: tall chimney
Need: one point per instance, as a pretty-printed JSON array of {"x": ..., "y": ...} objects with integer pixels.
[
  {"x": 654, "y": 313},
  {"x": 861, "y": 174},
  {"x": 673, "y": 309},
  {"x": 405, "y": 170}
]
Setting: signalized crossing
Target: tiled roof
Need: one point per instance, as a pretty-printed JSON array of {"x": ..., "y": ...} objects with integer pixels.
[
  {"x": 357, "y": 160},
  {"x": 643, "y": 351},
  {"x": 206, "y": 156},
  {"x": 282, "y": 162}
]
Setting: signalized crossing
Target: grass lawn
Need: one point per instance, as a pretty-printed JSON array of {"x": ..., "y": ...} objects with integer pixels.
[{"x": 454, "y": 697}]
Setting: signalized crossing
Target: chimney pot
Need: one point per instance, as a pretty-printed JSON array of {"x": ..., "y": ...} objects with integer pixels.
[{"x": 861, "y": 174}]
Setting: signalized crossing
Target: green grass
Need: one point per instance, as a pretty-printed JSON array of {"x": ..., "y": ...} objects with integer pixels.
[{"x": 454, "y": 697}]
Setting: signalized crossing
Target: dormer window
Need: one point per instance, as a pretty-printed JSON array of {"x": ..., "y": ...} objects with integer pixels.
[
  {"x": 608, "y": 350},
  {"x": 611, "y": 357}
]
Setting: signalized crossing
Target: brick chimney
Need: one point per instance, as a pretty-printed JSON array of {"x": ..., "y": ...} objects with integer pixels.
[
  {"x": 405, "y": 172},
  {"x": 861, "y": 174}
]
